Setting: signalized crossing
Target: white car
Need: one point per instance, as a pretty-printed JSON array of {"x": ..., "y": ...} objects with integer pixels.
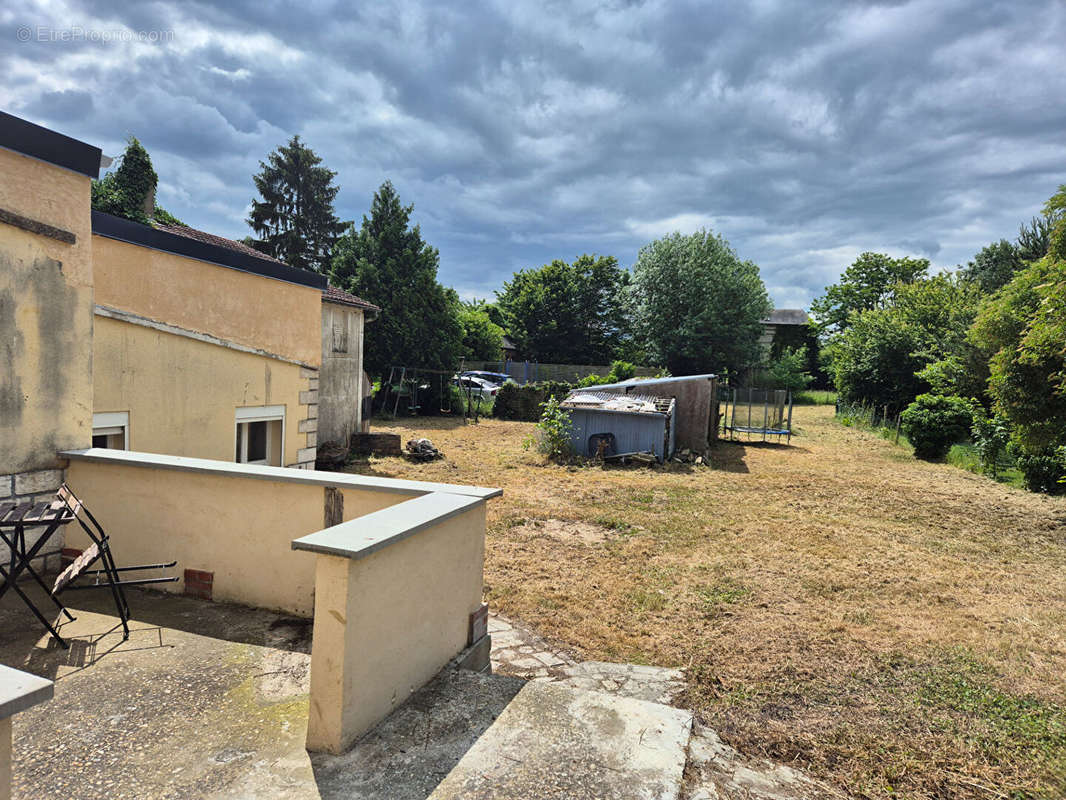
[{"x": 477, "y": 387}]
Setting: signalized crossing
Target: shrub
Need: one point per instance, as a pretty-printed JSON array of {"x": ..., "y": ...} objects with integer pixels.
[
  {"x": 620, "y": 371},
  {"x": 524, "y": 402},
  {"x": 991, "y": 435},
  {"x": 934, "y": 422},
  {"x": 553, "y": 432},
  {"x": 1044, "y": 471}
]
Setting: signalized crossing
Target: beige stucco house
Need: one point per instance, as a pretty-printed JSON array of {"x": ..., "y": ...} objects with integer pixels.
[
  {"x": 139, "y": 363},
  {"x": 175, "y": 341}
]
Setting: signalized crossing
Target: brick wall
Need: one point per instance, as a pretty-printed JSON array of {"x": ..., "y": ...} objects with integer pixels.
[{"x": 33, "y": 487}]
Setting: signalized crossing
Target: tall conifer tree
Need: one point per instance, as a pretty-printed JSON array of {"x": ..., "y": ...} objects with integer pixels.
[
  {"x": 294, "y": 219},
  {"x": 386, "y": 262}
]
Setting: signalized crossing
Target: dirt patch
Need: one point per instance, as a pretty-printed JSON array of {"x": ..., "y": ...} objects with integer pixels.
[{"x": 571, "y": 531}]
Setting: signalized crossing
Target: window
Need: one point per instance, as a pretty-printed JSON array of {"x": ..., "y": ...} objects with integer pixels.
[
  {"x": 260, "y": 435},
  {"x": 112, "y": 430}
]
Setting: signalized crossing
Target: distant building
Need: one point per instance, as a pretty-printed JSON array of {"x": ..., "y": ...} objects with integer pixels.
[
  {"x": 510, "y": 351},
  {"x": 784, "y": 324}
]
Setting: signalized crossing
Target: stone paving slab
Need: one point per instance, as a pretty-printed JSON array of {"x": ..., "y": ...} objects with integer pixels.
[
  {"x": 555, "y": 742},
  {"x": 520, "y": 652}
]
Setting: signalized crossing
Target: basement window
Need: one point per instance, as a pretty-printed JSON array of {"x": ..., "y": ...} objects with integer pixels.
[
  {"x": 260, "y": 435},
  {"x": 111, "y": 429}
]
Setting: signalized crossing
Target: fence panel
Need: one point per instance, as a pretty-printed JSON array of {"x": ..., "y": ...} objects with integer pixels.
[{"x": 523, "y": 372}]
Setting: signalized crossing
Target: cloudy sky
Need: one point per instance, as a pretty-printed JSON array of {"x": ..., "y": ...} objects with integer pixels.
[{"x": 803, "y": 132}]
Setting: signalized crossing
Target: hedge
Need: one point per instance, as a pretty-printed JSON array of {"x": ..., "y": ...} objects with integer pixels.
[{"x": 523, "y": 403}]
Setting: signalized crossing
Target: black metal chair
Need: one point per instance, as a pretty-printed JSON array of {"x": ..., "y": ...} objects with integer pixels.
[{"x": 108, "y": 576}]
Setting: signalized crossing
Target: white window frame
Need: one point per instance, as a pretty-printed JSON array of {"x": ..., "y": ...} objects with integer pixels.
[
  {"x": 258, "y": 414},
  {"x": 108, "y": 423}
]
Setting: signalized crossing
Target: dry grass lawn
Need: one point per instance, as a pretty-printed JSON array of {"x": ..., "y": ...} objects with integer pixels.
[{"x": 895, "y": 627}]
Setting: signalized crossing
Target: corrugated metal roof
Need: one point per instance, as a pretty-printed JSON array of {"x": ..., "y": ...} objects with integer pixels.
[
  {"x": 646, "y": 382},
  {"x": 618, "y": 403}
]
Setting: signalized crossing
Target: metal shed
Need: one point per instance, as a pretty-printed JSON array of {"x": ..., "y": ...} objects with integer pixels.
[
  {"x": 623, "y": 423},
  {"x": 696, "y": 415}
]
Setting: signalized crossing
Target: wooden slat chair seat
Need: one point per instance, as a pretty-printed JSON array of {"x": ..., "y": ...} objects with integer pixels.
[{"x": 76, "y": 568}]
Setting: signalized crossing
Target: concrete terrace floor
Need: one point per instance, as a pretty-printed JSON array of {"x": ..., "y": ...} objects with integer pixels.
[
  {"x": 209, "y": 700},
  {"x": 203, "y": 700}
]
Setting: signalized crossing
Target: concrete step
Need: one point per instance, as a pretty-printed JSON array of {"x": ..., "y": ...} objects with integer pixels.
[
  {"x": 653, "y": 684},
  {"x": 556, "y": 742}
]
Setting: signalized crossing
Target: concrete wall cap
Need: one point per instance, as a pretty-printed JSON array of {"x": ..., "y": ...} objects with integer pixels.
[
  {"x": 365, "y": 535},
  {"x": 131, "y": 458},
  {"x": 20, "y": 690}
]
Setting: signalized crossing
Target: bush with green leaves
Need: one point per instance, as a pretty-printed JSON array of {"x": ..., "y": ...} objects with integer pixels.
[
  {"x": 620, "y": 371},
  {"x": 524, "y": 403},
  {"x": 553, "y": 432},
  {"x": 1043, "y": 471},
  {"x": 991, "y": 435},
  {"x": 934, "y": 422}
]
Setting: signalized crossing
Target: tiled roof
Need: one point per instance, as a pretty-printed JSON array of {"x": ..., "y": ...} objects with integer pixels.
[
  {"x": 331, "y": 294},
  {"x": 217, "y": 241},
  {"x": 787, "y": 316}
]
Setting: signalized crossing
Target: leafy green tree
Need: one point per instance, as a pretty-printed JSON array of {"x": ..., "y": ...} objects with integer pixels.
[
  {"x": 294, "y": 219},
  {"x": 482, "y": 338},
  {"x": 386, "y": 262},
  {"x": 129, "y": 191},
  {"x": 994, "y": 266},
  {"x": 568, "y": 313},
  {"x": 1055, "y": 213},
  {"x": 698, "y": 307},
  {"x": 493, "y": 310},
  {"x": 880, "y": 357},
  {"x": 1022, "y": 331},
  {"x": 789, "y": 370},
  {"x": 868, "y": 284}
]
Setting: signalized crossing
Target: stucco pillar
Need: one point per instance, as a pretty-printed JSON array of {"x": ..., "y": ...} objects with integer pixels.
[
  {"x": 325, "y": 723},
  {"x": 5, "y": 759}
]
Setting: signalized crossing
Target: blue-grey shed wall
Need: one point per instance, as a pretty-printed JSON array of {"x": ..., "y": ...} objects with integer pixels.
[{"x": 633, "y": 432}]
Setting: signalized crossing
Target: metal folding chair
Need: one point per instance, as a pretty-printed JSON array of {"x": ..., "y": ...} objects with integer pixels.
[
  {"x": 108, "y": 575},
  {"x": 15, "y": 518}
]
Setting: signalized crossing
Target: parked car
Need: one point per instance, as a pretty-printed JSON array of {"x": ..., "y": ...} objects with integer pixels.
[
  {"x": 478, "y": 387},
  {"x": 498, "y": 378}
]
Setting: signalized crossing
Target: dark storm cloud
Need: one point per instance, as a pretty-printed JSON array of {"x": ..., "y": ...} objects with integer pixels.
[{"x": 805, "y": 133}]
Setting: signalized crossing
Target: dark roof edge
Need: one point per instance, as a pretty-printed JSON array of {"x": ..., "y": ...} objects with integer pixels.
[
  {"x": 45, "y": 144},
  {"x": 125, "y": 230}
]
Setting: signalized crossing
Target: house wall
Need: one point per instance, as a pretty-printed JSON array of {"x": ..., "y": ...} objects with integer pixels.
[
  {"x": 46, "y": 324},
  {"x": 274, "y": 316},
  {"x": 340, "y": 392},
  {"x": 239, "y": 529},
  {"x": 182, "y": 393},
  {"x": 46, "y": 317}
]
